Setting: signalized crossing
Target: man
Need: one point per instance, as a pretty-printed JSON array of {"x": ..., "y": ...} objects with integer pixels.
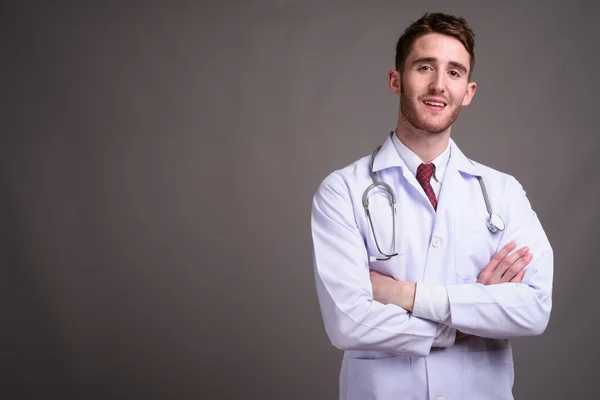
[{"x": 427, "y": 263}]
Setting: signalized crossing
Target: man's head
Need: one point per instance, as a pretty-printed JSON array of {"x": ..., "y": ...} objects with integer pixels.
[
  {"x": 445, "y": 24},
  {"x": 432, "y": 75}
]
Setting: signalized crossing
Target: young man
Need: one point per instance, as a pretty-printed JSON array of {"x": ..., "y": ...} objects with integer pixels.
[{"x": 427, "y": 263}]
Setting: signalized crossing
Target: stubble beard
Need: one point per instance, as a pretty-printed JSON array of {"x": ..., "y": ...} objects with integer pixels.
[{"x": 410, "y": 113}]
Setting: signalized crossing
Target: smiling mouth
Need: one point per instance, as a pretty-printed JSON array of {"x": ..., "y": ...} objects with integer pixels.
[{"x": 434, "y": 104}]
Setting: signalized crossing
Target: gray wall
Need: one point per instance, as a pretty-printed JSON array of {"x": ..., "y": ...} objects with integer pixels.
[{"x": 157, "y": 164}]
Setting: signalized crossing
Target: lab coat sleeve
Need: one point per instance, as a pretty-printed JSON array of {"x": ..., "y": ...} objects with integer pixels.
[
  {"x": 510, "y": 309},
  {"x": 353, "y": 320}
]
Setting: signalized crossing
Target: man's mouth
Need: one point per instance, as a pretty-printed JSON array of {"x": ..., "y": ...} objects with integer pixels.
[{"x": 434, "y": 104}]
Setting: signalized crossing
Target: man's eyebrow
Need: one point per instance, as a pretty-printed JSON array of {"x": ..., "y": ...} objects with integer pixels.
[
  {"x": 424, "y": 60},
  {"x": 454, "y": 64},
  {"x": 459, "y": 66}
]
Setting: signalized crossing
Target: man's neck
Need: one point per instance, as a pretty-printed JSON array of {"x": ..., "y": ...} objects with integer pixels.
[{"x": 426, "y": 145}]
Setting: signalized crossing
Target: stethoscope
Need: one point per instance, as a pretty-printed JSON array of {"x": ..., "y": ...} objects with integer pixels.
[{"x": 494, "y": 222}]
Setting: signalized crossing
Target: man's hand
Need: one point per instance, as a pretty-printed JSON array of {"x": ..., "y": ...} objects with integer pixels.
[
  {"x": 388, "y": 290},
  {"x": 501, "y": 268},
  {"x": 460, "y": 335},
  {"x": 504, "y": 268}
]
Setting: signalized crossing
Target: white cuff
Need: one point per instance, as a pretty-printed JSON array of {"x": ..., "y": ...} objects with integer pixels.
[{"x": 431, "y": 302}]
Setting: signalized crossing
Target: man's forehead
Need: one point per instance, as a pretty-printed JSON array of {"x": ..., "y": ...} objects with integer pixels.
[{"x": 441, "y": 47}]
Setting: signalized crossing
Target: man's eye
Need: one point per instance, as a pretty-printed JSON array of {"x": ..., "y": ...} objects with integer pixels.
[
  {"x": 424, "y": 68},
  {"x": 454, "y": 74}
]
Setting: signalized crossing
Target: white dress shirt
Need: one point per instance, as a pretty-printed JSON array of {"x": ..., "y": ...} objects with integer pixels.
[{"x": 431, "y": 301}]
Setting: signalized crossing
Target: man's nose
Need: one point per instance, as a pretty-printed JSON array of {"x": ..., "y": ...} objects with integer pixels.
[{"x": 438, "y": 83}]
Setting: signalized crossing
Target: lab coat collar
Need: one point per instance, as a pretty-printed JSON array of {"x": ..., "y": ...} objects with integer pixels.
[
  {"x": 461, "y": 162},
  {"x": 388, "y": 157}
]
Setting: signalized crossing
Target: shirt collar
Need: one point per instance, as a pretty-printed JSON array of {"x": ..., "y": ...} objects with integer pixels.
[
  {"x": 412, "y": 161},
  {"x": 388, "y": 157}
]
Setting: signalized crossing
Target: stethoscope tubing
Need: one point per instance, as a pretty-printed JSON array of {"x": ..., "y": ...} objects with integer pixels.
[{"x": 494, "y": 222}]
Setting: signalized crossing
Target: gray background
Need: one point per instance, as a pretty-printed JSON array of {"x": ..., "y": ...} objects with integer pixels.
[{"x": 157, "y": 165}]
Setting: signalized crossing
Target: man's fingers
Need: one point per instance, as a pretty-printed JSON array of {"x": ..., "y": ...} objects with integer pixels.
[
  {"x": 506, "y": 267},
  {"x": 503, "y": 252},
  {"x": 519, "y": 277},
  {"x": 487, "y": 275},
  {"x": 498, "y": 257},
  {"x": 516, "y": 268},
  {"x": 509, "y": 261}
]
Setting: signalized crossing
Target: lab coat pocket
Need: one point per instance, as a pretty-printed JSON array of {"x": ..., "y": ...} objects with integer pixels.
[
  {"x": 383, "y": 378},
  {"x": 474, "y": 247},
  {"x": 488, "y": 374}
]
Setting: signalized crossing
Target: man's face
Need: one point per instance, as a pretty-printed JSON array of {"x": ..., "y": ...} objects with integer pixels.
[{"x": 435, "y": 83}]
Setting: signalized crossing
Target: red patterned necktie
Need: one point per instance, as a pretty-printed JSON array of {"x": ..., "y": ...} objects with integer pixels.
[{"x": 424, "y": 173}]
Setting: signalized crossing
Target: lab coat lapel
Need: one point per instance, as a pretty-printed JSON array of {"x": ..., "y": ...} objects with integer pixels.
[{"x": 453, "y": 194}]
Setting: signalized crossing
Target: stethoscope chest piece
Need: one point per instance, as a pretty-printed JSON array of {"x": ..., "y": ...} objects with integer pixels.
[{"x": 495, "y": 223}]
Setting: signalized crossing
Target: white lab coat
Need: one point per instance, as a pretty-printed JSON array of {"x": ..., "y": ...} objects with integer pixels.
[{"x": 388, "y": 352}]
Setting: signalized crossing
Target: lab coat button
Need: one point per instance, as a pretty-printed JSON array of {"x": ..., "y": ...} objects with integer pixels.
[
  {"x": 441, "y": 398},
  {"x": 437, "y": 241}
]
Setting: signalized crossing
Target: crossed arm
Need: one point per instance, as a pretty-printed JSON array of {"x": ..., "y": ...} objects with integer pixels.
[
  {"x": 354, "y": 318},
  {"x": 503, "y": 267}
]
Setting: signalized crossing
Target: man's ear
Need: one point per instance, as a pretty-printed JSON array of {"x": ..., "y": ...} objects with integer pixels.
[
  {"x": 394, "y": 81},
  {"x": 471, "y": 88}
]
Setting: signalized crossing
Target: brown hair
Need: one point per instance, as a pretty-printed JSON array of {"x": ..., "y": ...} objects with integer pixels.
[{"x": 445, "y": 24}]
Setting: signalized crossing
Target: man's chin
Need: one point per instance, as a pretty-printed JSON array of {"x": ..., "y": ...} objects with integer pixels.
[
  {"x": 434, "y": 129},
  {"x": 434, "y": 125}
]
